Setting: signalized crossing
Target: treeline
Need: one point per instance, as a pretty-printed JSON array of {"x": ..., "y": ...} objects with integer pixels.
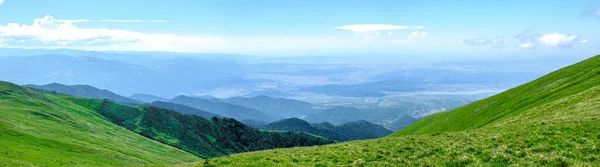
[{"x": 200, "y": 136}]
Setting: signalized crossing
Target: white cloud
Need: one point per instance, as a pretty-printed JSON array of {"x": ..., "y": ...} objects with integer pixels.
[
  {"x": 527, "y": 45},
  {"x": 559, "y": 40},
  {"x": 48, "y": 32},
  {"x": 366, "y": 28},
  {"x": 1, "y": 1},
  {"x": 417, "y": 35},
  {"x": 390, "y": 33},
  {"x": 583, "y": 41}
]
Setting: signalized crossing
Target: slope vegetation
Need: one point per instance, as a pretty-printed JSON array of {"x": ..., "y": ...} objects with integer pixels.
[
  {"x": 551, "y": 121},
  {"x": 42, "y": 129},
  {"x": 200, "y": 136}
]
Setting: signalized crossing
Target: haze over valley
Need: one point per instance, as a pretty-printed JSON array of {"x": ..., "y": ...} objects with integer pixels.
[{"x": 205, "y": 83}]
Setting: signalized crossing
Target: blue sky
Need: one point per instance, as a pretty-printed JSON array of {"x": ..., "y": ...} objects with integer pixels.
[{"x": 304, "y": 27}]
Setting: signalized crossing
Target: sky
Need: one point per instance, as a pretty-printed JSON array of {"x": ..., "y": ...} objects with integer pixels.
[{"x": 273, "y": 27}]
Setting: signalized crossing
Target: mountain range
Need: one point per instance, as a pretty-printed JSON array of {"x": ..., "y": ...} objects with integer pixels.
[
  {"x": 550, "y": 121},
  {"x": 147, "y": 98},
  {"x": 222, "y": 108},
  {"x": 61, "y": 130},
  {"x": 85, "y": 91},
  {"x": 276, "y": 107}
]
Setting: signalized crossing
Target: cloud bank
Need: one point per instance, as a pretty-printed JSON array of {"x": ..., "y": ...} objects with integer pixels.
[
  {"x": 49, "y": 32},
  {"x": 531, "y": 40}
]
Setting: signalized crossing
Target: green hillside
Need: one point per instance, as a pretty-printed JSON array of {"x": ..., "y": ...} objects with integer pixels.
[
  {"x": 202, "y": 137},
  {"x": 513, "y": 104},
  {"x": 42, "y": 129},
  {"x": 552, "y": 121}
]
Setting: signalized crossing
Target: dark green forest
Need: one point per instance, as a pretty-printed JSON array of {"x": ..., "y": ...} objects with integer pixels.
[{"x": 203, "y": 137}]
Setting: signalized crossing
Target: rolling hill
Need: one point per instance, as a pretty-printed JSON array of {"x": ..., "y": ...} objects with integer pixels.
[
  {"x": 38, "y": 129},
  {"x": 551, "y": 121},
  {"x": 358, "y": 130},
  {"x": 223, "y": 108},
  {"x": 85, "y": 91}
]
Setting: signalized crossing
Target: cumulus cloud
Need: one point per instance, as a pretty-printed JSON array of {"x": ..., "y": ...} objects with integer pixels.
[
  {"x": 366, "y": 28},
  {"x": 49, "y": 32},
  {"x": 417, "y": 35},
  {"x": 560, "y": 40},
  {"x": 496, "y": 42},
  {"x": 527, "y": 45},
  {"x": 530, "y": 40}
]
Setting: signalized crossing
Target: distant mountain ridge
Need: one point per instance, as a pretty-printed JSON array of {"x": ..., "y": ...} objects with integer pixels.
[
  {"x": 85, "y": 91},
  {"x": 147, "y": 98},
  {"x": 222, "y": 108},
  {"x": 358, "y": 130},
  {"x": 336, "y": 115},
  {"x": 183, "y": 109},
  {"x": 276, "y": 107}
]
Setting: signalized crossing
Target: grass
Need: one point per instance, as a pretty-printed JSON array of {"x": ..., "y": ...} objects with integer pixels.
[
  {"x": 551, "y": 121},
  {"x": 45, "y": 130}
]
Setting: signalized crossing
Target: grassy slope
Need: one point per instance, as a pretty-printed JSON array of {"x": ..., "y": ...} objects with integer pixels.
[
  {"x": 38, "y": 129},
  {"x": 552, "y": 121},
  {"x": 557, "y": 85}
]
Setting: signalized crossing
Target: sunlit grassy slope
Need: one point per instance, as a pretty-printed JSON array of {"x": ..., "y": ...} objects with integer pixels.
[
  {"x": 552, "y": 121},
  {"x": 44, "y": 130}
]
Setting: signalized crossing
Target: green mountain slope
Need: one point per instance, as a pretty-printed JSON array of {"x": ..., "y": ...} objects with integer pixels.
[
  {"x": 43, "y": 129},
  {"x": 200, "y": 136},
  {"x": 551, "y": 121},
  {"x": 85, "y": 91},
  {"x": 558, "y": 85}
]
